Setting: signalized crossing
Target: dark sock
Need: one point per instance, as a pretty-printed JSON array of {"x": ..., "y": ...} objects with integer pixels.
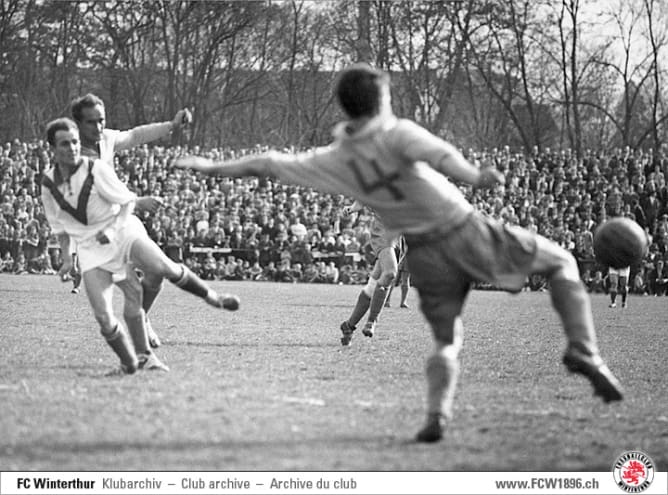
[
  {"x": 572, "y": 303},
  {"x": 149, "y": 294},
  {"x": 190, "y": 282},
  {"x": 120, "y": 343},
  {"x": 377, "y": 302},
  {"x": 360, "y": 309}
]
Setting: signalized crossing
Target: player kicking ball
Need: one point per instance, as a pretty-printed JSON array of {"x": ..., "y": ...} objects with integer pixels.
[
  {"x": 400, "y": 170},
  {"x": 84, "y": 200}
]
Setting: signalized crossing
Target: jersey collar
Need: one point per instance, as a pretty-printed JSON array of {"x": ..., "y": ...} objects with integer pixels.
[
  {"x": 58, "y": 177},
  {"x": 346, "y": 130}
]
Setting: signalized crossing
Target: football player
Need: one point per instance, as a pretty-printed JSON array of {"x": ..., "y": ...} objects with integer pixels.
[
  {"x": 384, "y": 251},
  {"x": 400, "y": 170},
  {"x": 618, "y": 278},
  {"x": 85, "y": 201},
  {"x": 99, "y": 142}
]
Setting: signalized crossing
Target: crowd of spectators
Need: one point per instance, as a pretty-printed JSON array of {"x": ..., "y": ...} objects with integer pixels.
[{"x": 254, "y": 229}]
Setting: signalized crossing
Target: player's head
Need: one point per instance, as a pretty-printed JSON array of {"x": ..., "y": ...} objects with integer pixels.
[
  {"x": 63, "y": 136},
  {"x": 89, "y": 114},
  {"x": 362, "y": 91}
]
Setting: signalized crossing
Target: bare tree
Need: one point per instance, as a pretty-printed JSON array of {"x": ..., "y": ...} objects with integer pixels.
[{"x": 505, "y": 54}]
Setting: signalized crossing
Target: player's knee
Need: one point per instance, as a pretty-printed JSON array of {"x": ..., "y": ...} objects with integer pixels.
[
  {"x": 132, "y": 308},
  {"x": 107, "y": 322},
  {"x": 132, "y": 290},
  {"x": 370, "y": 286},
  {"x": 153, "y": 281},
  {"x": 387, "y": 277}
]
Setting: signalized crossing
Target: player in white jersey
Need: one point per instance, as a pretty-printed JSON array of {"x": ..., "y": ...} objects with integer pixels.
[
  {"x": 99, "y": 142},
  {"x": 385, "y": 253},
  {"x": 399, "y": 169},
  {"x": 85, "y": 201},
  {"x": 618, "y": 278}
]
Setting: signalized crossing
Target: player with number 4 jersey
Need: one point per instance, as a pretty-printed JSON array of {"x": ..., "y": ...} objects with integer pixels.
[{"x": 401, "y": 170}]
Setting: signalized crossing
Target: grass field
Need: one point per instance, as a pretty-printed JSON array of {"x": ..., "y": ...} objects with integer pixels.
[{"x": 270, "y": 387}]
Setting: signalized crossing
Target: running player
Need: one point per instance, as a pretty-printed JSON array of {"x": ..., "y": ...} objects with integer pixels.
[
  {"x": 384, "y": 253},
  {"x": 399, "y": 169}
]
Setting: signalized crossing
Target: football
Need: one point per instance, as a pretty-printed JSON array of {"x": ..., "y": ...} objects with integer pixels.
[{"x": 620, "y": 242}]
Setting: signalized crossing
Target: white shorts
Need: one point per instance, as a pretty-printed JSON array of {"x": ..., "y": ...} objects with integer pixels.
[
  {"x": 620, "y": 272},
  {"x": 115, "y": 256}
]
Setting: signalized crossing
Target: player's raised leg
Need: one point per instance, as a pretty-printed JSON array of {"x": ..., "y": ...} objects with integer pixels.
[
  {"x": 572, "y": 303},
  {"x": 99, "y": 288},
  {"x": 147, "y": 256}
]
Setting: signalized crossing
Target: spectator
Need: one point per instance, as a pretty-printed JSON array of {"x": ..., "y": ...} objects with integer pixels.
[
  {"x": 269, "y": 273},
  {"x": 255, "y": 271},
  {"x": 331, "y": 273},
  {"x": 639, "y": 283}
]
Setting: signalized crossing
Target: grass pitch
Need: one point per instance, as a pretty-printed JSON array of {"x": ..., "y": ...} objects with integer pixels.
[{"x": 270, "y": 388}]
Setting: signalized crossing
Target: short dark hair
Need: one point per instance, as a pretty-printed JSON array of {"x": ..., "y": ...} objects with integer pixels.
[
  {"x": 61, "y": 124},
  {"x": 358, "y": 90},
  {"x": 86, "y": 101}
]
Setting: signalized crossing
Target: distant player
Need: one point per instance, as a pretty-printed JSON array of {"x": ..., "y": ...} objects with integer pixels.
[
  {"x": 399, "y": 169},
  {"x": 404, "y": 280},
  {"x": 75, "y": 272},
  {"x": 99, "y": 142},
  {"x": 384, "y": 252},
  {"x": 618, "y": 278},
  {"x": 85, "y": 201}
]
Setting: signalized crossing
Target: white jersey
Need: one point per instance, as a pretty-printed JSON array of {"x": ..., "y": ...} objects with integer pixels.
[
  {"x": 87, "y": 203},
  {"x": 111, "y": 141},
  {"x": 390, "y": 165}
]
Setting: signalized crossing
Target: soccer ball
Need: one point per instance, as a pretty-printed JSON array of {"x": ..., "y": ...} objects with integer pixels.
[{"x": 620, "y": 242}]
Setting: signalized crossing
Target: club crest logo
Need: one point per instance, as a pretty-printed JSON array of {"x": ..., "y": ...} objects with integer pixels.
[{"x": 633, "y": 471}]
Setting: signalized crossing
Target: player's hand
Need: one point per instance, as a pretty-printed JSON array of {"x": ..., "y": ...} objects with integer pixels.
[
  {"x": 182, "y": 118},
  {"x": 490, "y": 177},
  {"x": 347, "y": 211},
  {"x": 149, "y": 204},
  {"x": 195, "y": 163}
]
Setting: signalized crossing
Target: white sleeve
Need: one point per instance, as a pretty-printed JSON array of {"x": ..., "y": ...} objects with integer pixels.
[
  {"x": 110, "y": 186},
  {"x": 141, "y": 135}
]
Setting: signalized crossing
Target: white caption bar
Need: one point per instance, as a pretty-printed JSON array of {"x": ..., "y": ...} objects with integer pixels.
[{"x": 258, "y": 483}]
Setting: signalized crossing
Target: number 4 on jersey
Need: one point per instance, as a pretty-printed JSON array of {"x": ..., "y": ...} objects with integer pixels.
[{"x": 383, "y": 182}]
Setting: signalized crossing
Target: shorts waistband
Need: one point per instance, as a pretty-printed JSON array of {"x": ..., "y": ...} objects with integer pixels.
[{"x": 438, "y": 233}]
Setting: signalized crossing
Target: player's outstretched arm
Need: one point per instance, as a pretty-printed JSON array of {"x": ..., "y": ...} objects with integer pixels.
[
  {"x": 150, "y": 132},
  {"x": 454, "y": 165},
  {"x": 257, "y": 165}
]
